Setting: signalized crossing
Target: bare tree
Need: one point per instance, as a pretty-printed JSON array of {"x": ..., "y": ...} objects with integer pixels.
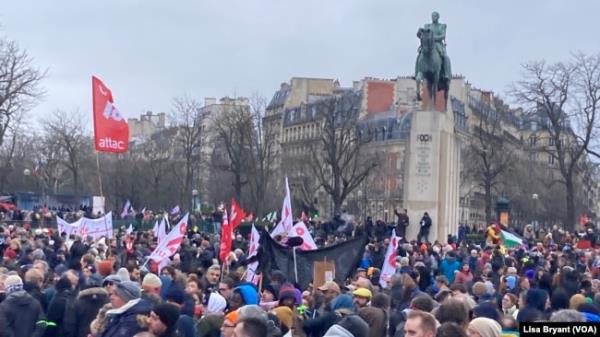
[
  {"x": 562, "y": 100},
  {"x": 234, "y": 134},
  {"x": 338, "y": 161},
  {"x": 68, "y": 133},
  {"x": 490, "y": 153},
  {"x": 8, "y": 151},
  {"x": 188, "y": 119},
  {"x": 19, "y": 84},
  {"x": 261, "y": 155},
  {"x": 50, "y": 156},
  {"x": 157, "y": 157}
]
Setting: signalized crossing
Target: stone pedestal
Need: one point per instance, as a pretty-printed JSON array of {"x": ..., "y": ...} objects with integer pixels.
[{"x": 432, "y": 174}]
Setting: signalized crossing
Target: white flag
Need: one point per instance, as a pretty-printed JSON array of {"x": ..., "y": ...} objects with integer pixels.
[
  {"x": 253, "y": 251},
  {"x": 126, "y": 208},
  {"x": 389, "y": 263},
  {"x": 286, "y": 223},
  {"x": 162, "y": 230},
  {"x": 300, "y": 230},
  {"x": 130, "y": 229},
  {"x": 169, "y": 245},
  {"x": 155, "y": 229}
]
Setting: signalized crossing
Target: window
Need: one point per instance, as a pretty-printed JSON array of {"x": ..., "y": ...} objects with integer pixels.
[
  {"x": 550, "y": 159},
  {"x": 532, "y": 140},
  {"x": 534, "y": 126},
  {"x": 533, "y": 156},
  {"x": 551, "y": 141}
]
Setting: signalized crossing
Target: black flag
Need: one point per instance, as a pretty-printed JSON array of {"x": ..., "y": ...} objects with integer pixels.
[{"x": 345, "y": 255}]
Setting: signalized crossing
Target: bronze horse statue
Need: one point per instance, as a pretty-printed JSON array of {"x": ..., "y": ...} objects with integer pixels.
[{"x": 429, "y": 68}]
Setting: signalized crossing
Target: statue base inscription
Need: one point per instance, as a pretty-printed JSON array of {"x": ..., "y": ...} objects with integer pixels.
[{"x": 432, "y": 176}]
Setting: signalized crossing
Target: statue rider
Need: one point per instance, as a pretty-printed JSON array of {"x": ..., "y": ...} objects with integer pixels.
[{"x": 439, "y": 37}]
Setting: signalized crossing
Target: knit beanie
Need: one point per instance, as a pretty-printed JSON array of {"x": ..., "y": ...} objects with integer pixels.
[
  {"x": 152, "y": 281},
  {"x": 128, "y": 290},
  {"x": 13, "y": 283},
  {"x": 105, "y": 267},
  {"x": 168, "y": 314},
  {"x": 486, "y": 309},
  {"x": 123, "y": 274},
  {"x": 575, "y": 301},
  {"x": 485, "y": 327},
  {"x": 285, "y": 315},
  {"x": 175, "y": 295}
]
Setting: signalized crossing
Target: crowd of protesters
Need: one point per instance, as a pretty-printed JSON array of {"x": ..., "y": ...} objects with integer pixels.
[{"x": 55, "y": 285}]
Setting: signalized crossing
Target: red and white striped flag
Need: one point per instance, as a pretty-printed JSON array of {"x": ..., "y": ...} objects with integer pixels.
[
  {"x": 169, "y": 245},
  {"x": 252, "y": 252},
  {"x": 286, "y": 223},
  {"x": 389, "y": 263}
]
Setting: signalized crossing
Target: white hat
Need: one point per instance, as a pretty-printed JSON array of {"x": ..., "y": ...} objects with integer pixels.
[
  {"x": 12, "y": 284},
  {"x": 123, "y": 274}
]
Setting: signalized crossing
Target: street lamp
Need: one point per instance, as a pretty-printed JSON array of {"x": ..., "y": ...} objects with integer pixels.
[
  {"x": 194, "y": 197},
  {"x": 535, "y": 198},
  {"x": 26, "y": 174}
]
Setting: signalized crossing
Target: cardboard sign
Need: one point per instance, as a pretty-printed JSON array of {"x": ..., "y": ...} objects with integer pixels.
[{"x": 323, "y": 271}]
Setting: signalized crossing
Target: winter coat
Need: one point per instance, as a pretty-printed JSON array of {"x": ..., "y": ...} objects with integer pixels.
[
  {"x": 123, "y": 321},
  {"x": 210, "y": 326},
  {"x": 318, "y": 326},
  {"x": 338, "y": 331},
  {"x": 56, "y": 313},
  {"x": 377, "y": 320},
  {"x": 186, "y": 326},
  {"x": 464, "y": 278},
  {"x": 33, "y": 290},
  {"x": 21, "y": 315},
  {"x": 448, "y": 266},
  {"x": 78, "y": 249},
  {"x": 83, "y": 311}
]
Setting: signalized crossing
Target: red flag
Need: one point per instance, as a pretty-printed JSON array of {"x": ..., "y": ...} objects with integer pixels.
[
  {"x": 237, "y": 214},
  {"x": 226, "y": 233},
  {"x": 111, "y": 133}
]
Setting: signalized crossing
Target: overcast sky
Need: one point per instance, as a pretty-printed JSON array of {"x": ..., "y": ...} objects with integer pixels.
[{"x": 149, "y": 51}]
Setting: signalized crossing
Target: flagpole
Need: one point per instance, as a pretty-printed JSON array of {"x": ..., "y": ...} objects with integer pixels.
[
  {"x": 99, "y": 176},
  {"x": 101, "y": 192}
]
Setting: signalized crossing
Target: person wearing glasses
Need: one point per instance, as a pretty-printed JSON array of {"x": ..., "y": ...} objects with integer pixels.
[{"x": 229, "y": 324}]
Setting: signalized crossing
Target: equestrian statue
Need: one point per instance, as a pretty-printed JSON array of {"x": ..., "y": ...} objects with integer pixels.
[{"x": 433, "y": 65}]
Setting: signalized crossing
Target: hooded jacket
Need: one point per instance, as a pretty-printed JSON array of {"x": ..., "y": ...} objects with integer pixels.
[
  {"x": 448, "y": 266},
  {"x": 249, "y": 294},
  {"x": 340, "y": 306},
  {"x": 21, "y": 315},
  {"x": 338, "y": 331},
  {"x": 56, "y": 311},
  {"x": 83, "y": 311},
  {"x": 123, "y": 322}
]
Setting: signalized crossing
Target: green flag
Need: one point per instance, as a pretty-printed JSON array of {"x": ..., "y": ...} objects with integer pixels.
[{"x": 510, "y": 240}]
